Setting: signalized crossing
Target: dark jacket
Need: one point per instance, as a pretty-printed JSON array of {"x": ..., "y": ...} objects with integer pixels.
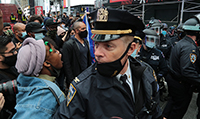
[
  {"x": 155, "y": 59},
  {"x": 71, "y": 59},
  {"x": 93, "y": 96},
  {"x": 184, "y": 61},
  {"x": 10, "y": 99},
  {"x": 15, "y": 40}
]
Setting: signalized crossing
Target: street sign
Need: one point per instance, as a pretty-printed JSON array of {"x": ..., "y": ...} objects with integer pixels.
[{"x": 38, "y": 10}]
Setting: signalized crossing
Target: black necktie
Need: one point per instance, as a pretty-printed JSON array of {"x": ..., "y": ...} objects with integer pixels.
[{"x": 123, "y": 78}]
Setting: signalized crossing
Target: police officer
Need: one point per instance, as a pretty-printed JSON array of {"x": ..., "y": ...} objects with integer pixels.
[
  {"x": 24, "y": 20},
  {"x": 19, "y": 12},
  {"x": 180, "y": 34},
  {"x": 116, "y": 86},
  {"x": 164, "y": 45},
  {"x": 13, "y": 18},
  {"x": 184, "y": 69},
  {"x": 153, "y": 56}
]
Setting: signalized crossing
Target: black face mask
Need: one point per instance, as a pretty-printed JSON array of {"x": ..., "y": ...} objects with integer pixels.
[
  {"x": 111, "y": 69},
  {"x": 10, "y": 60},
  {"x": 61, "y": 36},
  {"x": 83, "y": 34}
]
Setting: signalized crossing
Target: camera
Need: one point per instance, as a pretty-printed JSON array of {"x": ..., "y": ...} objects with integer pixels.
[{"x": 9, "y": 87}]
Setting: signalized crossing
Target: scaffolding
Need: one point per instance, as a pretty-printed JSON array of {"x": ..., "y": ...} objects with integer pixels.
[{"x": 183, "y": 6}]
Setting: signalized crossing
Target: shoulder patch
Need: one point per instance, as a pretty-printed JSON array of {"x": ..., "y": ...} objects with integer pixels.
[
  {"x": 193, "y": 57},
  {"x": 71, "y": 93}
]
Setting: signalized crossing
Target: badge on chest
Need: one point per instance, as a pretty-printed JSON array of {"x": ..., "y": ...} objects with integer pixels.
[{"x": 154, "y": 57}]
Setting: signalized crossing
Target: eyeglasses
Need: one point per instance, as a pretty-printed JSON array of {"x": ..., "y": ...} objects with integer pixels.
[{"x": 11, "y": 51}]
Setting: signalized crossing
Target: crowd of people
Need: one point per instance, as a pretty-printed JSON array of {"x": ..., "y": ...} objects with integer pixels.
[{"x": 46, "y": 69}]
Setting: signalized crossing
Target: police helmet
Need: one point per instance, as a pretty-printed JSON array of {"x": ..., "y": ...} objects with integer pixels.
[
  {"x": 192, "y": 24},
  {"x": 165, "y": 26},
  {"x": 157, "y": 27},
  {"x": 151, "y": 36}
]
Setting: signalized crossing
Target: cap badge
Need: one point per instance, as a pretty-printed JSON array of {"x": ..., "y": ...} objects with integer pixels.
[{"x": 102, "y": 15}]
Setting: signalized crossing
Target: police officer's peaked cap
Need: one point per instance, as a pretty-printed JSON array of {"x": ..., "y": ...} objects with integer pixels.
[
  {"x": 150, "y": 32},
  {"x": 192, "y": 24},
  {"x": 110, "y": 24}
]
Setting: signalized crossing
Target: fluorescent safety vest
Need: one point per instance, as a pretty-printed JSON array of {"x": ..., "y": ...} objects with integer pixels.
[
  {"x": 19, "y": 12},
  {"x": 12, "y": 18}
]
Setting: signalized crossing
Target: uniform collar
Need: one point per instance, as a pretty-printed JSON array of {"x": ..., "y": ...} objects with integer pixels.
[
  {"x": 128, "y": 74},
  {"x": 190, "y": 40}
]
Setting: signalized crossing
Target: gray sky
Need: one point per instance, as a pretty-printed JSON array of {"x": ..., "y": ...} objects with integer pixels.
[{"x": 79, "y": 2}]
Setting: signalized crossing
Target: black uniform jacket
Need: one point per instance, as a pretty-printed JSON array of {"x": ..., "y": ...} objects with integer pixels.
[
  {"x": 184, "y": 61},
  {"x": 155, "y": 58},
  {"x": 71, "y": 59},
  {"x": 93, "y": 96}
]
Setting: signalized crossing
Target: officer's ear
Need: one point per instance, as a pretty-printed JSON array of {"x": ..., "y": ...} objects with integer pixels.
[{"x": 132, "y": 48}]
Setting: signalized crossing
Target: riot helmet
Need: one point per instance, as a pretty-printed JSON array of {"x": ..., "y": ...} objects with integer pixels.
[
  {"x": 192, "y": 24},
  {"x": 157, "y": 27},
  {"x": 151, "y": 38}
]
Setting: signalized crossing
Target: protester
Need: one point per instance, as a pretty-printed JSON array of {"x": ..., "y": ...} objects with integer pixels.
[
  {"x": 76, "y": 53},
  {"x": 36, "y": 18},
  {"x": 34, "y": 30},
  {"x": 8, "y": 57},
  {"x": 39, "y": 96},
  {"x": 51, "y": 26},
  {"x": 19, "y": 34}
]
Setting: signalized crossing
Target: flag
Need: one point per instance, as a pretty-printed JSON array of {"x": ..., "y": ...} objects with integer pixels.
[
  {"x": 64, "y": 3},
  {"x": 91, "y": 42}
]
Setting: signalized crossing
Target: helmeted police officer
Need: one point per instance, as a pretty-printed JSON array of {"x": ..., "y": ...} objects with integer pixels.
[
  {"x": 116, "y": 86},
  {"x": 153, "y": 56},
  {"x": 180, "y": 34},
  {"x": 184, "y": 70}
]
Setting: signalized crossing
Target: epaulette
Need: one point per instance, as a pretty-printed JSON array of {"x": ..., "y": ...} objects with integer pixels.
[{"x": 85, "y": 74}]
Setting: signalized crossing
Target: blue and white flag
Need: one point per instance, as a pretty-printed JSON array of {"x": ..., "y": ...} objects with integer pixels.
[{"x": 91, "y": 42}]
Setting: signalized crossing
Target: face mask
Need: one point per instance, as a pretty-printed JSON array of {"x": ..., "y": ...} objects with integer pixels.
[
  {"x": 24, "y": 34},
  {"x": 39, "y": 36},
  {"x": 10, "y": 60},
  {"x": 42, "y": 24},
  {"x": 63, "y": 26},
  {"x": 134, "y": 54},
  {"x": 164, "y": 33},
  {"x": 150, "y": 44},
  {"x": 83, "y": 34},
  {"x": 111, "y": 69},
  {"x": 61, "y": 36}
]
